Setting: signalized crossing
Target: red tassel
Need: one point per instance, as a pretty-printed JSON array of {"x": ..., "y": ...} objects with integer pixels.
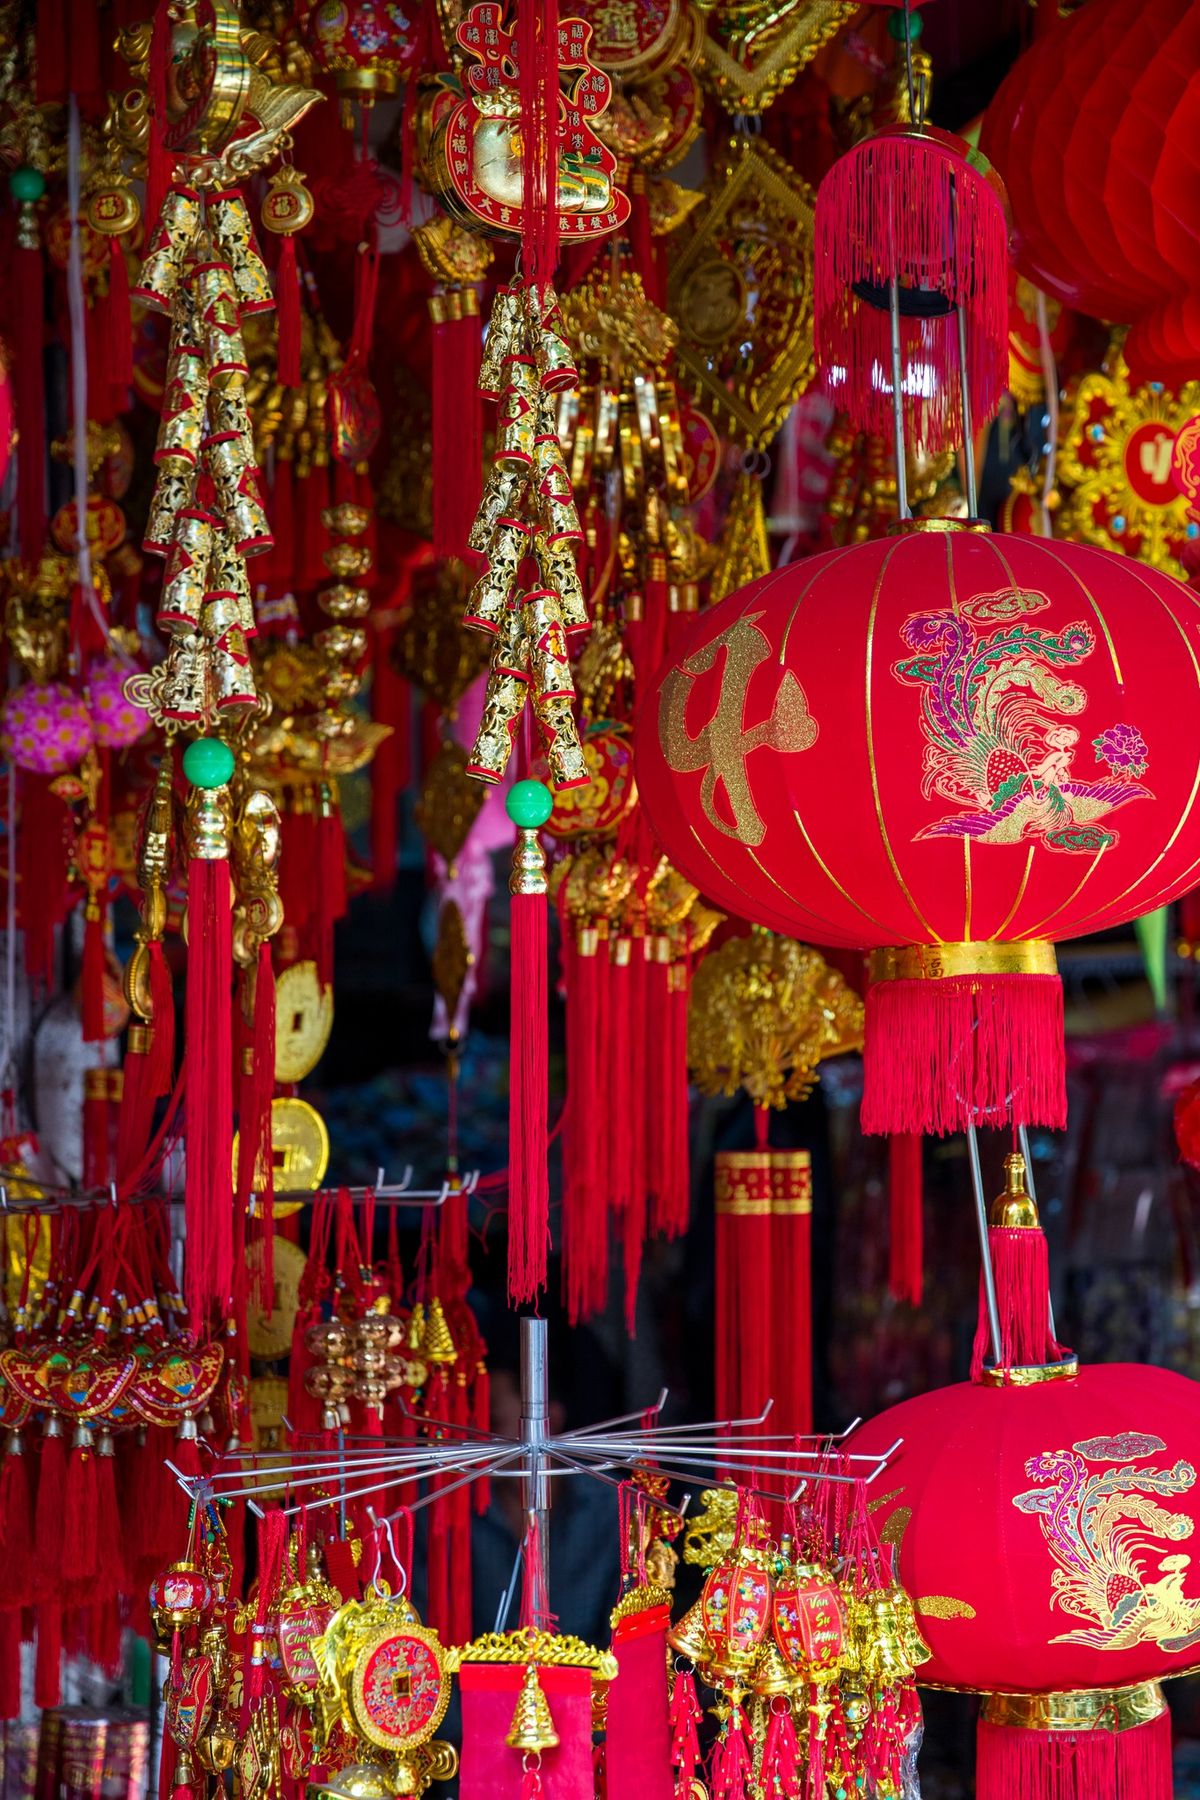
[
  {"x": 731, "y": 1764},
  {"x": 313, "y": 500},
  {"x": 1021, "y": 1270},
  {"x": 283, "y": 498},
  {"x": 47, "y": 1668},
  {"x": 457, "y": 421},
  {"x": 42, "y": 891},
  {"x": 53, "y": 37},
  {"x": 528, "y": 1182},
  {"x": 256, "y": 1165},
  {"x": 964, "y": 1050},
  {"x": 110, "y": 1545},
  {"x": 791, "y": 1288},
  {"x": 685, "y": 1739},
  {"x": 10, "y": 1664},
  {"x": 208, "y": 1203},
  {"x": 118, "y": 341},
  {"x": 781, "y": 1755},
  {"x": 272, "y": 1541},
  {"x": 94, "y": 969},
  {"x": 80, "y": 1551},
  {"x": 906, "y": 1250},
  {"x": 391, "y": 699},
  {"x": 97, "y": 1134},
  {"x": 743, "y": 1336},
  {"x": 149, "y": 1069},
  {"x": 17, "y": 1565},
  {"x": 660, "y": 1074},
  {"x": 48, "y": 1522},
  {"x": 537, "y": 61},
  {"x": 585, "y": 1203},
  {"x": 297, "y": 860},
  {"x": 287, "y": 314},
  {"x": 1014, "y": 1763},
  {"x": 29, "y": 397},
  {"x": 159, "y": 160},
  {"x": 908, "y": 206}
]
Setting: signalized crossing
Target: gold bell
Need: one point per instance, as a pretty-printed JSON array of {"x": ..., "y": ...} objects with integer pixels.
[
  {"x": 532, "y": 1729},
  {"x": 688, "y": 1637},
  {"x": 771, "y": 1675},
  {"x": 438, "y": 1345},
  {"x": 1014, "y": 1208}
]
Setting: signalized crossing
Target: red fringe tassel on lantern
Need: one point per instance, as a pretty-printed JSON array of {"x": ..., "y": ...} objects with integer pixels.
[
  {"x": 1016, "y": 1763},
  {"x": 912, "y": 207},
  {"x": 946, "y": 1053}
]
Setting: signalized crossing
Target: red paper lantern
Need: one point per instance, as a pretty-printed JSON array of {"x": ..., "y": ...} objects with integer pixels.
[
  {"x": 951, "y": 748},
  {"x": 364, "y": 44},
  {"x": 1046, "y": 1534},
  {"x": 1095, "y": 133}
]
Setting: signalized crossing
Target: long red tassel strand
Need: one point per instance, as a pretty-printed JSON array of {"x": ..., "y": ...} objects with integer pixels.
[
  {"x": 906, "y": 1239},
  {"x": 457, "y": 418},
  {"x": 208, "y": 1201},
  {"x": 287, "y": 313},
  {"x": 1015, "y": 1763},
  {"x": 537, "y": 62},
  {"x": 256, "y": 1088},
  {"x": 29, "y": 387},
  {"x": 791, "y": 1292},
  {"x": 529, "y": 805}
]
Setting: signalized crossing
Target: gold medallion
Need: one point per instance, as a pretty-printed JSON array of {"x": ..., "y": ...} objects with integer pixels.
[
  {"x": 303, "y": 1021},
  {"x": 271, "y": 1338},
  {"x": 300, "y": 1151},
  {"x": 268, "y": 1406}
]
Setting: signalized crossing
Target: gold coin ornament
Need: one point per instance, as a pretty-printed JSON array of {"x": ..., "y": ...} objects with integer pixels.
[
  {"x": 270, "y": 1337},
  {"x": 268, "y": 1407},
  {"x": 300, "y": 1151},
  {"x": 303, "y": 1021}
]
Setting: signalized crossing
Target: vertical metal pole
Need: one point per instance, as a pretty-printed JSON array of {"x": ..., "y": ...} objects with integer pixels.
[
  {"x": 981, "y": 1220},
  {"x": 535, "y": 1429},
  {"x": 967, "y": 430},
  {"x": 1031, "y": 1190},
  {"x": 898, "y": 404}
]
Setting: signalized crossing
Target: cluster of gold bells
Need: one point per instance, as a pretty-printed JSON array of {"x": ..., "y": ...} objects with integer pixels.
[
  {"x": 366, "y": 1359},
  {"x": 765, "y": 1011},
  {"x": 810, "y": 1655},
  {"x": 527, "y": 519}
]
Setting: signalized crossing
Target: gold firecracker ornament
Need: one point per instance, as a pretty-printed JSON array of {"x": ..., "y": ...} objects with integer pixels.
[
  {"x": 765, "y": 1012},
  {"x": 528, "y": 598}
]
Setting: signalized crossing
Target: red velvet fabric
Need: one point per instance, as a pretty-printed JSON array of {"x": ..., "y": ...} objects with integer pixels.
[
  {"x": 490, "y": 1769},
  {"x": 637, "y": 1752},
  {"x": 1050, "y": 1546}
]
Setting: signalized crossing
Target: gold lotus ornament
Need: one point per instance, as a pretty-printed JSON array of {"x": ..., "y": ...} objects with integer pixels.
[{"x": 765, "y": 1012}]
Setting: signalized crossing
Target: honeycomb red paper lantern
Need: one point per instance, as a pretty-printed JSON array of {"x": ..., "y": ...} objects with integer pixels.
[
  {"x": 1047, "y": 1533},
  {"x": 950, "y": 748},
  {"x": 1095, "y": 133}
]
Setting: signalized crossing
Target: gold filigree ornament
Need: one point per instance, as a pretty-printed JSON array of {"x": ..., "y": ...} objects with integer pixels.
[
  {"x": 449, "y": 804},
  {"x": 765, "y": 1011},
  {"x": 752, "y": 49},
  {"x": 431, "y": 648},
  {"x": 452, "y": 255},
  {"x": 746, "y": 257},
  {"x": 1130, "y": 464},
  {"x": 544, "y": 1649}
]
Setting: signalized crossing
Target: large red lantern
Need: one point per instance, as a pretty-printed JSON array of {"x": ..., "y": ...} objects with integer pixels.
[
  {"x": 950, "y": 748},
  {"x": 1047, "y": 1533},
  {"x": 1095, "y": 133}
]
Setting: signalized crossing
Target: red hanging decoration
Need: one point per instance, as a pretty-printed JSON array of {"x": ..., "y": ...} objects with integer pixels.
[
  {"x": 529, "y": 805},
  {"x": 208, "y": 1204},
  {"x": 923, "y": 210},
  {"x": 457, "y": 418},
  {"x": 537, "y": 62},
  {"x": 906, "y": 1236},
  {"x": 1021, "y": 1273},
  {"x": 791, "y": 1289},
  {"x": 26, "y": 285},
  {"x": 287, "y": 313}
]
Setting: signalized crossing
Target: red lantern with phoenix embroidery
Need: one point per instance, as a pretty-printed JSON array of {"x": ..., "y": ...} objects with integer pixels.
[
  {"x": 1045, "y": 1531},
  {"x": 951, "y": 749}
]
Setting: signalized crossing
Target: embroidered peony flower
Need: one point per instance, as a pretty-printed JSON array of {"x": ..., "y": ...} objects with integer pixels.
[{"x": 1123, "y": 747}]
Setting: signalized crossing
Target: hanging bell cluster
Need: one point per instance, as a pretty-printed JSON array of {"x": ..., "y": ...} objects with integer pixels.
[
  {"x": 810, "y": 1654},
  {"x": 529, "y": 597},
  {"x": 204, "y": 270}
]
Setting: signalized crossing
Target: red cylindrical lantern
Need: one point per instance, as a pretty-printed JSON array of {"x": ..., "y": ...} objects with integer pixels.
[
  {"x": 1045, "y": 1534},
  {"x": 951, "y": 748}
]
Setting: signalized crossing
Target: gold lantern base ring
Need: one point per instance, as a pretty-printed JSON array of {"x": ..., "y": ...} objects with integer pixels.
[
  {"x": 934, "y": 962},
  {"x": 1099, "y": 1709}
]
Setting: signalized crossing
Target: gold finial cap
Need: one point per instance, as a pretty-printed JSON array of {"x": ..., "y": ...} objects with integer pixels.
[
  {"x": 437, "y": 1344},
  {"x": 532, "y": 1729},
  {"x": 1014, "y": 1208}
]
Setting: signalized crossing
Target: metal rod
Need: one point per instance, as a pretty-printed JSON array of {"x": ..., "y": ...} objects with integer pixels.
[
  {"x": 535, "y": 1422},
  {"x": 664, "y": 1430},
  {"x": 898, "y": 402},
  {"x": 1031, "y": 1189},
  {"x": 985, "y": 1251},
  {"x": 968, "y": 433}
]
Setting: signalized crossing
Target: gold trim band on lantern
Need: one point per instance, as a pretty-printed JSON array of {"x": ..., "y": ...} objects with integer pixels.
[
  {"x": 919, "y": 527},
  {"x": 1112, "y": 1709},
  {"x": 741, "y": 1206},
  {"x": 792, "y": 1208},
  {"x": 1029, "y": 1374},
  {"x": 935, "y": 962}
]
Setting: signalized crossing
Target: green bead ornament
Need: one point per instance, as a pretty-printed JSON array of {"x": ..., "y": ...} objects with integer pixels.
[
  {"x": 901, "y": 23},
  {"x": 27, "y": 185},
  {"x": 529, "y": 804},
  {"x": 208, "y": 763}
]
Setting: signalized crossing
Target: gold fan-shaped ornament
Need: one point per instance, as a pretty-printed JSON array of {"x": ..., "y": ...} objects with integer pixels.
[{"x": 765, "y": 1012}]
